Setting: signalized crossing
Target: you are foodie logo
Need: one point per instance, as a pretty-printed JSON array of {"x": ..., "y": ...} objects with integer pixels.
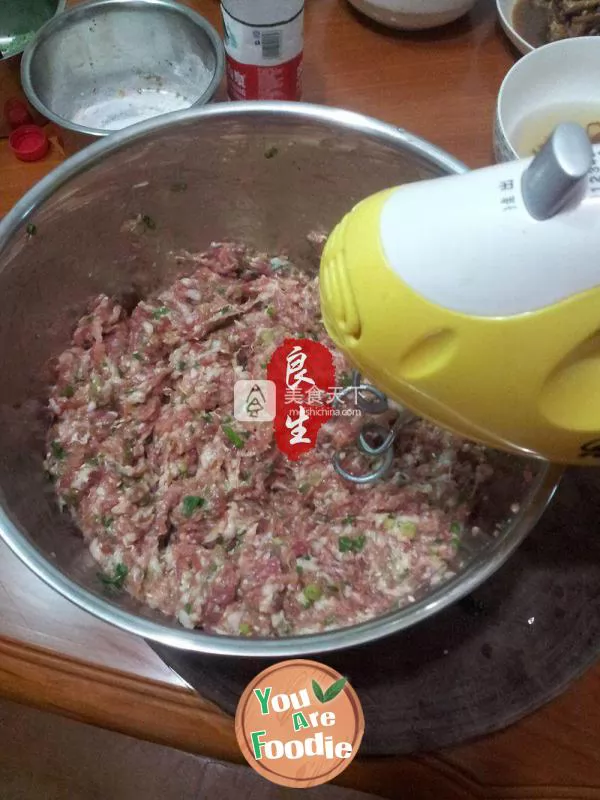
[{"x": 299, "y": 723}]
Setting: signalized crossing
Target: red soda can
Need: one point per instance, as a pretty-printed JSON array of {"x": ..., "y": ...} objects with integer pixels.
[{"x": 264, "y": 43}]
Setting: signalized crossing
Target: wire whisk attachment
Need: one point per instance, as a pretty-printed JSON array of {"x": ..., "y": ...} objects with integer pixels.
[{"x": 374, "y": 440}]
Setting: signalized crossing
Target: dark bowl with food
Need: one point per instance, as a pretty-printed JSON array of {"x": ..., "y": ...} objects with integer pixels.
[{"x": 139, "y": 282}]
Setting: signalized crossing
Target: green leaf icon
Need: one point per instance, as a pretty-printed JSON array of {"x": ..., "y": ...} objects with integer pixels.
[
  {"x": 335, "y": 689},
  {"x": 318, "y": 692},
  {"x": 331, "y": 693}
]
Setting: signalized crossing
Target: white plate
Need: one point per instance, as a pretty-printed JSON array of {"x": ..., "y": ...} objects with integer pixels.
[{"x": 505, "y": 12}]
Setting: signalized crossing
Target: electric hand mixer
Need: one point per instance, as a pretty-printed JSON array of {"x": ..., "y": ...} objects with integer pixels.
[{"x": 474, "y": 300}]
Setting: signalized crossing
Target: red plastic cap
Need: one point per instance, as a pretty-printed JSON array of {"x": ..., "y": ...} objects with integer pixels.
[
  {"x": 29, "y": 142},
  {"x": 16, "y": 113}
]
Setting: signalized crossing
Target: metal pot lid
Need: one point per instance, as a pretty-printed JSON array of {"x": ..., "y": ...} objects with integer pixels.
[{"x": 20, "y": 20}]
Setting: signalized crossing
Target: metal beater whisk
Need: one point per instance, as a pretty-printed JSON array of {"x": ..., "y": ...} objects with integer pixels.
[{"x": 374, "y": 441}]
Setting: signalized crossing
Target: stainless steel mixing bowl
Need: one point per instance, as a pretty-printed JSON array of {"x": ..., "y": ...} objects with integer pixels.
[
  {"x": 262, "y": 173},
  {"x": 107, "y": 64}
]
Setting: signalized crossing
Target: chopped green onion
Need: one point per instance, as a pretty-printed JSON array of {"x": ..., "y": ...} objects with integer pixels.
[
  {"x": 270, "y": 311},
  {"x": 137, "y": 356},
  {"x": 312, "y": 592},
  {"x": 207, "y": 416},
  {"x": 106, "y": 521},
  {"x": 245, "y": 629},
  {"x": 68, "y": 391},
  {"x": 58, "y": 451},
  {"x": 299, "y": 569},
  {"x": 188, "y": 608},
  {"x": 117, "y": 579},
  {"x": 162, "y": 311},
  {"x": 225, "y": 309},
  {"x": 351, "y": 544},
  {"x": 456, "y": 528},
  {"x": 191, "y": 503},
  {"x": 408, "y": 529},
  {"x": 233, "y": 437}
]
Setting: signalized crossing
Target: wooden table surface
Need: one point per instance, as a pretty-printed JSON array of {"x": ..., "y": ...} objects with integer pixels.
[{"x": 440, "y": 85}]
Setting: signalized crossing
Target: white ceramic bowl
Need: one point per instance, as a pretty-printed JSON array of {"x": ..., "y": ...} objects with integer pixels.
[
  {"x": 561, "y": 73},
  {"x": 413, "y": 14},
  {"x": 505, "y": 14}
]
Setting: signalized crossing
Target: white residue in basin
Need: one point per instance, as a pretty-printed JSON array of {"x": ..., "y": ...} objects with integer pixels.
[{"x": 126, "y": 108}]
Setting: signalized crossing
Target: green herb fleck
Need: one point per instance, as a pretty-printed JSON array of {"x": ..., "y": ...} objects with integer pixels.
[
  {"x": 68, "y": 391},
  {"x": 117, "y": 580},
  {"x": 349, "y": 520},
  {"x": 149, "y": 223},
  {"x": 162, "y": 311},
  {"x": 94, "y": 461},
  {"x": 351, "y": 544},
  {"x": 181, "y": 366},
  {"x": 137, "y": 356},
  {"x": 271, "y": 152},
  {"x": 225, "y": 309},
  {"x": 207, "y": 417},
  {"x": 188, "y": 608},
  {"x": 58, "y": 451},
  {"x": 456, "y": 528},
  {"x": 106, "y": 521},
  {"x": 245, "y": 629},
  {"x": 270, "y": 311},
  {"x": 31, "y": 229},
  {"x": 408, "y": 529},
  {"x": 233, "y": 437},
  {"x": 191, "y": 503},
  {"x": 312, "y": 592},
  {"x": 299, "y": 569},
  {"x": 304, "y": 488}
]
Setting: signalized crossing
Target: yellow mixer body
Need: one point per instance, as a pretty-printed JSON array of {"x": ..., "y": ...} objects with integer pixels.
[{"x": 528, "y": 382}]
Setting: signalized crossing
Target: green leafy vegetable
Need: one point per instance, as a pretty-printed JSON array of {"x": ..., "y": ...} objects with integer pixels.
[
  {"x": 351, "y": 544},
  {"x": 191, "y": 503},
  {"x": 117, "y": 580},
  {"x": 233, "y": 437},
  {"x": 58, "y": 451}
]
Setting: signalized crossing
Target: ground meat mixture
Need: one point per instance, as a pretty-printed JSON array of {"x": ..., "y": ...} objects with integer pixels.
[{"x": 201, "y": 516}]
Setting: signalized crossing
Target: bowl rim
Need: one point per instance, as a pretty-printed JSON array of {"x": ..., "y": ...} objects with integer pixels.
[
  {"x": 506, "y": 20},
  {"x": 537, "y": 499},
  {"x": 81, "y": 11}
]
